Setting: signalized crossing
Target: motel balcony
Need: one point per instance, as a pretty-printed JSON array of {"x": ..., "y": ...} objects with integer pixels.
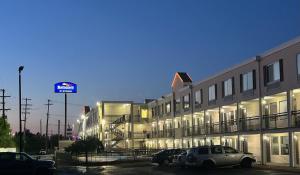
[
  {"x": 249, "y": 124},
  {"x": 296, "y": 119},
  {"x": 187, "y": 131},
  {"x": 199, "y": 130},
  {"x": 275, "y": 121},
  {"x": 229, "y": 126},
  {"x": 213, "y": 128}
]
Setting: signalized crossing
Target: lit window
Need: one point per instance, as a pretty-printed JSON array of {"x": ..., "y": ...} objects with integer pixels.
[
  {"x": 186, "y": 101},
  {"x": 273, "y": 72},
  {"x": 227, "y": 85},
  {"x": 247, "y": 81},
  {"x": 212, "y": 93},
  {"x": 198, "y": 97},
  {"x": 168, "y": 107},
  {"x": 144, "y": 113}
]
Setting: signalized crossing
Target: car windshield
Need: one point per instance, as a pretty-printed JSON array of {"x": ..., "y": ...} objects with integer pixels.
[{"x": 15, "y": 156}]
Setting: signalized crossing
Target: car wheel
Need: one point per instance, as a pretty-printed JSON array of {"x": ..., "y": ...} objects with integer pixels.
[
  {"x": 208, "y": 164},
  {"x": 246, "y": 163}
]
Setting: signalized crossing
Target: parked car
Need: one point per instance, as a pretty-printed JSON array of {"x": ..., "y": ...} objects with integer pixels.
[
  {"x": 42, "y": 152},
  {"x": 179, "y": 160},
  {"x": 165, "y": 156},
  {"x": 213, "y": 156},
  {"x": 22, "y": 163}
]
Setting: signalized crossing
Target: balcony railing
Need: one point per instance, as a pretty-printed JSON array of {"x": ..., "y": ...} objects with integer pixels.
[
  {"x": 167, "y": 133},
  {"x": 199, "y": 130},
  {"x": 296, "y": 119},
  {"x": 229, "y": 126},
  {"x": 212, "y": 128},
  {"x": 250, "y": 123},
  {"x": 274, "y": 121},
  {"x": 187, "y": 131}
]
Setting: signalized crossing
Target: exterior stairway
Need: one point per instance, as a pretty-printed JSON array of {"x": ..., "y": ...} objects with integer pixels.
[{"x": 118, "y": 134}]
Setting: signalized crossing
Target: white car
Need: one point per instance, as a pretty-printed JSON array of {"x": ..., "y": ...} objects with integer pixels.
[{"x": 215, "y": 156}]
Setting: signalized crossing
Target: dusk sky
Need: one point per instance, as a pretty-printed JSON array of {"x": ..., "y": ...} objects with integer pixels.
[{"x": 128, "y": 49}]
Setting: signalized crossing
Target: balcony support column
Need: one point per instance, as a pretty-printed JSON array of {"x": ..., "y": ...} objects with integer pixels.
[
  {"x": 290, "y": 124},
  {"x": 289, "y": 109},
  {"x": 220, "y": 121}
]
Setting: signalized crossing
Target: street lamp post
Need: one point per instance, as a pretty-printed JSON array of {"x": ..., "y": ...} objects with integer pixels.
[{"x": 20, "y": 112}]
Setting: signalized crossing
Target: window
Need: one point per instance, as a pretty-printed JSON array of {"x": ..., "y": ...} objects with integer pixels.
[
  {"x": 177, "y": 105},
  {"x": 198, "y": 97},
  {"x": 275, "y": 146},
  {"x": 228, "y": 87},
  {"x": 273, "y": 72},
  {"x": 216, "y": 150},
  {"x": 168, "y": 107},
  {"x": 247, "y": 81},
  {"x": 212, "y": 92},
  {"x": 283, "y": 106},
  {"x": 284, "y": 140},
  {"x": 162, "y": 109},
  {"x": 230, "y": 150},
  {"x": 203, "y": 151},
  {"x": 21, "y": 157},
  {"x": 298, "y": 63},
  {"x": 186, "y": 101}
]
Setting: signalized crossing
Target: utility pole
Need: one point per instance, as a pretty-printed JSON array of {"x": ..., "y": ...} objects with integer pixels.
[
  {"x": 48, "y": 107},
  {"x": 3, "y": 96},
  {"x": 26, "y": 111},
  {"x": 58, "y": 128},
  {"x": 41, "y": 129}
]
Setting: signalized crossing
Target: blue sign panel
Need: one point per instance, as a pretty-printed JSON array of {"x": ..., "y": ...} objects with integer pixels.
[{"x": 65, "y": 87}]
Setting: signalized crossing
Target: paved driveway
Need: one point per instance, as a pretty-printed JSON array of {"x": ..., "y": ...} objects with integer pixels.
[{"x": 149, "y": 169}]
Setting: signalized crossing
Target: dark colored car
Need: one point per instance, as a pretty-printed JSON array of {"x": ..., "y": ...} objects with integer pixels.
[
  {"x": 165, "y": 157},
  {"x": 22, "y": 163}
]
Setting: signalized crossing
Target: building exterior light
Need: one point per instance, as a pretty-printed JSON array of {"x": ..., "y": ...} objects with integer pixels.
[{"x": 266, "y": 138}]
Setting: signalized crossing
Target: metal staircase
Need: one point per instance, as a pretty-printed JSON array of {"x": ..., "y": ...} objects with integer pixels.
[{"x": 118, "y": 134}]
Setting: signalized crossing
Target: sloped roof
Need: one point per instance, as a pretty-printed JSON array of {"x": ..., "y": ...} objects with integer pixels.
[{"x": 184, "y": 77}]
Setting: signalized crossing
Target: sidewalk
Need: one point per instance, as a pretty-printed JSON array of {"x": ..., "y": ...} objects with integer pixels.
[{"x": 278, "y": 168}]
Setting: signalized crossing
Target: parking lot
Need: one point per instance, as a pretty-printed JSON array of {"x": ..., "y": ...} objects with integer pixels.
[{"x": 146, "y": 168}]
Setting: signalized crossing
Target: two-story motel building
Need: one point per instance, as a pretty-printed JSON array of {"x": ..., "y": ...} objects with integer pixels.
[{"x": 253, "y": 107}]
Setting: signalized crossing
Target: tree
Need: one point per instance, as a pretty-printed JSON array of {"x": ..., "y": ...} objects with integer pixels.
[
  {"x": 90, "y": 144},
  {"x": 6, "y": 140}
]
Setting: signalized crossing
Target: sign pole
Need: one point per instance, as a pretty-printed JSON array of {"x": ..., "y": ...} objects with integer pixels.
[{"x": 65, "y": 115}]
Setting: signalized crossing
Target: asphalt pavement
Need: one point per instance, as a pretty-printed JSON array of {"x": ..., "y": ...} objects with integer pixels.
[{"x": 144, "y": 168}]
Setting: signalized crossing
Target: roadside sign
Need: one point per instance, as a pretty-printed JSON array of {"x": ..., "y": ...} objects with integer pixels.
[{"x": 65, "y": 87}]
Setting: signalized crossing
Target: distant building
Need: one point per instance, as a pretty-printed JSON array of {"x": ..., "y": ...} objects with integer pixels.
[{"x": 118, "y": 124}]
